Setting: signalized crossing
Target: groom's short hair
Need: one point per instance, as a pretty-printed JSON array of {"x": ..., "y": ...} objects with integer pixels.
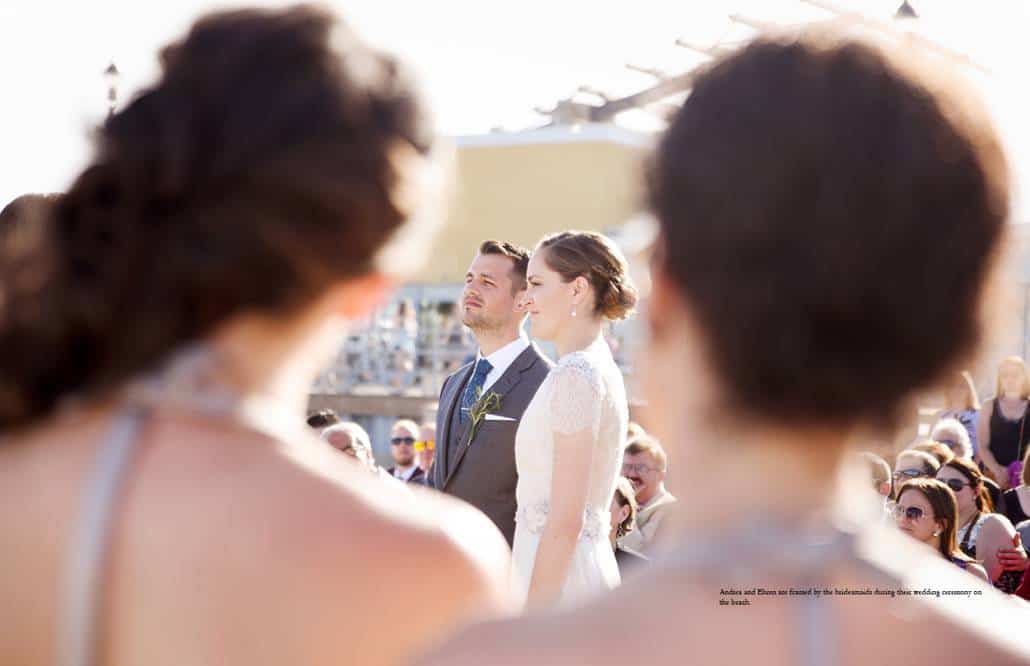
[{"x": 518, "y": 255}]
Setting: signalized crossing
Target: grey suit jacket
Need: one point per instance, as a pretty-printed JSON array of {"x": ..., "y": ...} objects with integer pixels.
[{"x": 483, "y": 472}]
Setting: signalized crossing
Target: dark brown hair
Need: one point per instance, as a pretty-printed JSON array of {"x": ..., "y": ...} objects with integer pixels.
[
  {"x": 592, "y": 256},
  {"x": 945, "y": 508},
  {"x": 519, "y": 256},
  {"x": 25, "y": 262},
  {"x": 796, "y": 189},
  {"x": 259, "y": 170},
  {"x": 976, "y": 480}
]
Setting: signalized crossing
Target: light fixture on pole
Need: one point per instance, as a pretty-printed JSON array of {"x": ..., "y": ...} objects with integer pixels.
[
  {"x": 111, "y": 76},
  {"x": 905, "y": 11}
]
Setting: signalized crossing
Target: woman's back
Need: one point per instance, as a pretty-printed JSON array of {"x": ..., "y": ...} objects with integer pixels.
[
  {"x": 230, "y": 547},
  {"x": 673, "y": 613}
]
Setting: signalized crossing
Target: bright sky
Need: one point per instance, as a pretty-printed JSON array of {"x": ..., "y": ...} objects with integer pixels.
[{"x": 483, "y": 63}]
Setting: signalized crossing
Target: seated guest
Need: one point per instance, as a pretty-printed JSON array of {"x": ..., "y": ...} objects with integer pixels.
[
  {"x": 322, "y": 419},
  {"x": 944, "y": 454},
  {"x": 403, "y": 436},
  {"x": 425, "y": 450},
  {"x": 880, "y": 472},
  {"x": 953, "y": 434},
  {"x": 982, "y": 534},
  {"x": 645, "y": 464},
  {"x": 912, "y": 464},
  {"x": 624, "y": 516},
  {"x": 926, "y": 511},
  {"x": 351, "y": 439}
]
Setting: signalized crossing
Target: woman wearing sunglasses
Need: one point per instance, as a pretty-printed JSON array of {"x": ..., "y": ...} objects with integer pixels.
[
  {"x": 982, "y": 534},
  {"x": 927, "y": 512}
]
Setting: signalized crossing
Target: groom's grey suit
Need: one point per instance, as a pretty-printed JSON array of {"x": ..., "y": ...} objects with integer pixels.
[{"x": 482, "y": 472}]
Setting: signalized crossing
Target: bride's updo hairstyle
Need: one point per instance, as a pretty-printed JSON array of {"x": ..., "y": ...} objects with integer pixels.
[
  {"x": 805, "y": 191},
  {"x": 592, "y": 256},
  {"x": 262, "y": 168}
]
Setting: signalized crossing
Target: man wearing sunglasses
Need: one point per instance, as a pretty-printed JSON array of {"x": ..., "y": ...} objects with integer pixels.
[{"x": 403, "y": 436}]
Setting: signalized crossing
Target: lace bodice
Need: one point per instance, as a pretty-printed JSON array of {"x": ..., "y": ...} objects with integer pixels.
[{"x": 584, "y": 391}]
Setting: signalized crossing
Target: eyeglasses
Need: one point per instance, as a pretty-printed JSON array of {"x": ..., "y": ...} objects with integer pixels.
[
  {"x": 428, "y": 444},
  {"x": 909, "y": 473},
  {"x": 639, "y": 468},
  {"x": 955, "y": 484},
  {"x": 913, "y": 513},
  {"x": 397, "y": 441}
]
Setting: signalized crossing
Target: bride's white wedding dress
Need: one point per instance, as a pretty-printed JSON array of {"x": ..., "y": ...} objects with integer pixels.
[{"x": 584, "y": 390}]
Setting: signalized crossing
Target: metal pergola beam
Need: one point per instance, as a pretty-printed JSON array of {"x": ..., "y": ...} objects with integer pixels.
[{"x": 665, "y": 88}]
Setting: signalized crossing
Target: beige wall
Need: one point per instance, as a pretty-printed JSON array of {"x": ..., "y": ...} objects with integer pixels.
[{"x": 521, "y": 191}]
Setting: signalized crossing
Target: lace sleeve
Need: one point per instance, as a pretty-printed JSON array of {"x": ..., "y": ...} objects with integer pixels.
[{"x": 575, "y": 397}]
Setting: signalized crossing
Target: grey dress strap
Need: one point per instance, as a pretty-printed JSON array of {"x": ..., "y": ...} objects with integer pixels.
[
  {"x": 82, "y": 586},
  {"x": 761, "y": 546}
]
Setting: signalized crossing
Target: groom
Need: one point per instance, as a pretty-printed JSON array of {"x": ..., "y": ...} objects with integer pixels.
[{"x": 475, "y": 456}]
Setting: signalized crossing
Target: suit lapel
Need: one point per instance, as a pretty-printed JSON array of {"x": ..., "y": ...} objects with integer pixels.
[
  {"x": 502, "y": 386},
  {"x": 449, "y": 402}
]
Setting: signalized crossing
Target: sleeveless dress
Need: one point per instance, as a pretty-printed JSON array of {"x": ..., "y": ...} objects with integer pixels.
[
  {"x": 1008, "y": 438},
  {"x": 188, "y": 380},
  {"x": 583, "y": 391}
]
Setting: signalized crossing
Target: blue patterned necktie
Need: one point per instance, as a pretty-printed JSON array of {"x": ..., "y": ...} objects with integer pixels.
[{"x": 475, "y": 386}]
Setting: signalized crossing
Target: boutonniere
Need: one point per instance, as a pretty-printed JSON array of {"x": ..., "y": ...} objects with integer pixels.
[{"x": 484, "y": 404}]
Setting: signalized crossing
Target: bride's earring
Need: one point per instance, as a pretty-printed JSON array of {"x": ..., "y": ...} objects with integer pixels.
[
  {"x": 573, "y": 310},
  {"x": 937, "y": 533}
]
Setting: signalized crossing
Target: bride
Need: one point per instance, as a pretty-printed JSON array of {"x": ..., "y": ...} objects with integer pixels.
[{"x": 568, "y": 448}]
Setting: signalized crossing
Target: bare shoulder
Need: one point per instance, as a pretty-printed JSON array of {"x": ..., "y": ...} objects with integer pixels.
[
  {"x": 382, "y": 524},
  {"x": 643, "y": 622},
  {"x": 402, "y": 554},
  {"x": 997, "y": 525},
  {"x": 305, "y": 549}
]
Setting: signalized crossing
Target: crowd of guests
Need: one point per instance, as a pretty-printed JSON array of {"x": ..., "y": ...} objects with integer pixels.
[{"x": 968, "y": 502}]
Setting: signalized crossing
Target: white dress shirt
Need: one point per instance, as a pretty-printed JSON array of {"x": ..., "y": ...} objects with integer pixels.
[
  {"x": 502, "y": 359},
  {"x": 404, "y": 473}
]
